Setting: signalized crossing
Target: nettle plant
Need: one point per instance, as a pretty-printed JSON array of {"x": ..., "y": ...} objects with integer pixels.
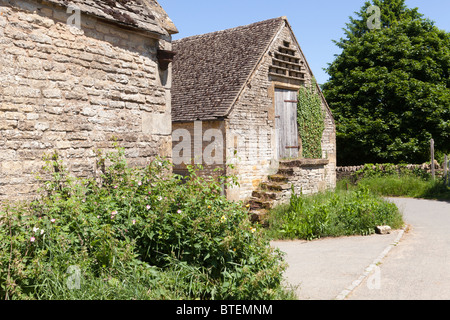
[
  {"x": 131, "y": 232},
  {"x": 310, "y": 120}
]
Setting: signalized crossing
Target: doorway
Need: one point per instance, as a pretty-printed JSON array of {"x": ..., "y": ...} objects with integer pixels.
[{"x": 286, "y": 126}]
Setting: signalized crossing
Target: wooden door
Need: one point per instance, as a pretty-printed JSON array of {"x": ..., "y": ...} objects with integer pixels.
[{"x": 286, "y": 124}]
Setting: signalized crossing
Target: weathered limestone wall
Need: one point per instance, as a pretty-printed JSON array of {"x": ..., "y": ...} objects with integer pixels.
[
  {"x": 307, "y": 177},
  {"x": 72, "y": 91},
  {"x": 329, "y": 151},
  {"x": 425, "y": 168},
  {"x": 199, "y": 143}
]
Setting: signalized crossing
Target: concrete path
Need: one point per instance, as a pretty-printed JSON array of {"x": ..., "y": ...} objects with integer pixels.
[{"x": 403, "y": 265}]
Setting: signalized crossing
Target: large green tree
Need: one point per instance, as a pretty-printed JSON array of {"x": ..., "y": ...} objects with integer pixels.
[{"x": 389, "y": 89}]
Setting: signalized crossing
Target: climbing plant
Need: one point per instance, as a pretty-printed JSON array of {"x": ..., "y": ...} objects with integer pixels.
[{"x": 310, "y": 120}]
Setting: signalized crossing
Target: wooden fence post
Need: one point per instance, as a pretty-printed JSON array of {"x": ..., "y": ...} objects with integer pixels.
[
  {"x": 447, "y": 162},
  {"x": 446, "y": 170},
  {"x": 433, "y": 171}
]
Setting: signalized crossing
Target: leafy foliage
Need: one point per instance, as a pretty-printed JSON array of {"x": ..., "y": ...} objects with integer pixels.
[
  {"x": 310, "y": 121},
  {"x": 398, "y": 181},
  {"x": 390, "y": 89},
  {"x": 134, "y": 233}
]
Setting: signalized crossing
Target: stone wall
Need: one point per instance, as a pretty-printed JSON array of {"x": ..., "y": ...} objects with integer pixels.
[
  {"x": 199, "y": 143},
  {"x": 303, "y": 177},
  {"x": 252, "y": 126},
  {"x": 350, "y": 171},
  {"x": 73, "y": 91}
]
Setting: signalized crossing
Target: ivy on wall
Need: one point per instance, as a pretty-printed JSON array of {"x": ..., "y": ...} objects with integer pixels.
[{"x": 310, "y": 118}]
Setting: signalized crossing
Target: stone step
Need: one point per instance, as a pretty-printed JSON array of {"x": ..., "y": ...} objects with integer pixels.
[
  {"x": 256, "y": 203},
  {"x": 275, "y": 186},
  {"x": 266, "y": 195},
  {"x": 303, "y": 163},
  {"x": 259, "y": 216},
  {"x": 286, "y": 171},
  {"x": 278, "y": 178}
]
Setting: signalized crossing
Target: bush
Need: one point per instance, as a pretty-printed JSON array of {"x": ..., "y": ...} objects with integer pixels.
[
  {"x": 134, "y": 233},
  {"x": 333, "y": 214}
]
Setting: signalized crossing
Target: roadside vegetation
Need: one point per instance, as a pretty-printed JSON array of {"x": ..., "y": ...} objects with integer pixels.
[
  {"x": 134, "y": 233},
  {"x": 332, "y": 214},
  {"x": 397, "y": 181},
  {"x": 357, "y": 206},
  {"x": 145, "y": 233}
]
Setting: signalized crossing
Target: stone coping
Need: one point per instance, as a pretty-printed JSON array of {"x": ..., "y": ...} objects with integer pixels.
[{"x": 304, "y": 163}]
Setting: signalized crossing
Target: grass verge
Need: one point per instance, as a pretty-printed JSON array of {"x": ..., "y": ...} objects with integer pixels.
[
  {"x": 332, "y": 214},
  {"x": 408, "y": 186}
]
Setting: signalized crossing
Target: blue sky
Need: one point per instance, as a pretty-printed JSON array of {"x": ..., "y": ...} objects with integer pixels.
[{"x": 315, "y": 22}]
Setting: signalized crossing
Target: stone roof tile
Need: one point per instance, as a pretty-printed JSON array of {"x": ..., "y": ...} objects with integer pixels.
[{"x": 210, "y": 70}]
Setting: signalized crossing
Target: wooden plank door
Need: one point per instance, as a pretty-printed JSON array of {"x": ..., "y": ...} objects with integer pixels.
[{"x": 286, "y": 124}]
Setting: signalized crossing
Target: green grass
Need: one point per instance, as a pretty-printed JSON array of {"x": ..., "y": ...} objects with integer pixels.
[
  {"x": 408, "y": 186},
  {"x": 332, "y": 214}
]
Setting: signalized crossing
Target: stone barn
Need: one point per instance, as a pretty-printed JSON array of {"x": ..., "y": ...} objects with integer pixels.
[
  {"x": 234, "y": 109},
  {"x": 74, "y": 76}
]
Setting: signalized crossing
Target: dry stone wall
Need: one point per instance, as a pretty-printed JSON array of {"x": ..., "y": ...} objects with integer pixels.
[{"x": 74, "y": 91}]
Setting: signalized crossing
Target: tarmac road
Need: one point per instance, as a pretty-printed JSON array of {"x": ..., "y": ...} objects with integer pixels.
[
  {"x": 405, "y": 265},
  {"x": 419, "y": 267}
]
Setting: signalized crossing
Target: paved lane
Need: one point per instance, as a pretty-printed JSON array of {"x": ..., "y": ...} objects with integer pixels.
[
  {"x": 324, "y": 269},
  {"x": 418, "y": 268}
]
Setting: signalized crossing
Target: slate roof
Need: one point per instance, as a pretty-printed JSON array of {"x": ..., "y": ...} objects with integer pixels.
[
  {"x": 145, "y": 15},
  {"x": 210, "y": 70}
]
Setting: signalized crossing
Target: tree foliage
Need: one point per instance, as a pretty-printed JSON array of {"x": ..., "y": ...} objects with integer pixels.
[{"x": 389, "y": 88}]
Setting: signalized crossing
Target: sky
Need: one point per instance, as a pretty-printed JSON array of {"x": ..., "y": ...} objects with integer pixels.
[{"x": 316, "y": 23}]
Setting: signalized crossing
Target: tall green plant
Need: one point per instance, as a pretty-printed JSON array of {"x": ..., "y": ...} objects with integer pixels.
[
  {"x": 134, "y": 233},
  {"x": 310, "y": 120}
]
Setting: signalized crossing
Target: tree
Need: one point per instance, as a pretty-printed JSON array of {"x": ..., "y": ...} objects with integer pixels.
[{"x": 389, "y": 89}]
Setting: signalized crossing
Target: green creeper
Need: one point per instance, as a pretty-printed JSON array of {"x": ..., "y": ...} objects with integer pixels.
[{"x": 310, "y": 118}]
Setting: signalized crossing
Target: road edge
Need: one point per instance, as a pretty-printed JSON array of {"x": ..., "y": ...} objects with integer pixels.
[{"x": 345, "y": 293}]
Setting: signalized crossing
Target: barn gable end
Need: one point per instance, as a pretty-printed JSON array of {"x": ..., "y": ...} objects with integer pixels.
[{"x": 235, "y": 78}]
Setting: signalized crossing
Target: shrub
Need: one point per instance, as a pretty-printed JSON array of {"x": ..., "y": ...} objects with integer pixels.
[{"x": 134, "y": 233}]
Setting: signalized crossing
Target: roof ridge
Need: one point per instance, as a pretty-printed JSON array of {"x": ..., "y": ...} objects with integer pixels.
[{"x": 195, "y": 37}]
